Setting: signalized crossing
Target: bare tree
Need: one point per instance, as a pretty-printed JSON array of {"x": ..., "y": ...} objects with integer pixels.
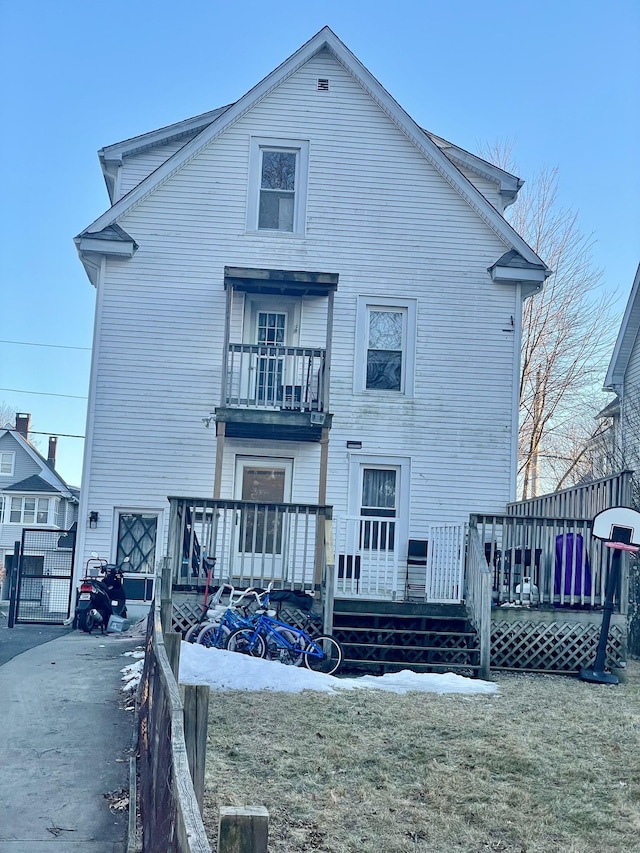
[
  {"x": 567, "y": 334},
  {"x": 7, "y": 415}
]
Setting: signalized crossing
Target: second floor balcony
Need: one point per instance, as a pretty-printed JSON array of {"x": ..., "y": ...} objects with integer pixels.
[{"x": 273, "y": 385}]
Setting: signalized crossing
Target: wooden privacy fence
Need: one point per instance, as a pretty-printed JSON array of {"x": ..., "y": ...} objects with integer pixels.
[
  {"x": 169, "y": 808},
  {"x": 172, "y": 742}
]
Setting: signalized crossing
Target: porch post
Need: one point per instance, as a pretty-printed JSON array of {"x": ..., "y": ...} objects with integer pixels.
[
  {"x": 327, "y": 354},
  {"x": 220, "y": 434},
  {"x": 324, "y": 460}
]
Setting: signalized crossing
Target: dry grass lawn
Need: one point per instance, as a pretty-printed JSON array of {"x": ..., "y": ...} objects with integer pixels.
[{"x": 549, "y": 764}]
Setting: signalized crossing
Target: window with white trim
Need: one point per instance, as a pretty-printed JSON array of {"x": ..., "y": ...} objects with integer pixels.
[
  {"x": 29, "y": 511},
  {"x": 7, "y": 463},
  {"x": 277, "y": 185},
  {"x": 385, "y": 346}
]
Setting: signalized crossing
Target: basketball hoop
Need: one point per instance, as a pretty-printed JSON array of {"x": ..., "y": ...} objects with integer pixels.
[{"x": 619, "y": 528}]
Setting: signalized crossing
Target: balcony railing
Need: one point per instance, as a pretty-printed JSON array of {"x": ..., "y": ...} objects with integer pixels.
[
  {"x": 275, "y": 377},
  {"x": 245, "y": 543},
  {"x": 545, "y": 561}
]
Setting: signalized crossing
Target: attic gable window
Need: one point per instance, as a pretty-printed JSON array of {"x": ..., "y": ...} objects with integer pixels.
[
  {"x": 277, "y": 189},
  {"x": 7, "y": 463},
  {"x": 277, "y": 186}
]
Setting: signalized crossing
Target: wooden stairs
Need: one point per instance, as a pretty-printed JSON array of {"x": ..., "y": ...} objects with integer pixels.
[{"x": 388, "y": 636}]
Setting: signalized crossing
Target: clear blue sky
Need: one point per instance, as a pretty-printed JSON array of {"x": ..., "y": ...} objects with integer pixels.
[{"x": 560, "y": 79}]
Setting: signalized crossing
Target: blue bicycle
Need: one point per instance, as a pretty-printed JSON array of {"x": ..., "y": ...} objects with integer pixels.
[
  {"x": 276, "y": 640},
  {"x": 216, "y": 632}
]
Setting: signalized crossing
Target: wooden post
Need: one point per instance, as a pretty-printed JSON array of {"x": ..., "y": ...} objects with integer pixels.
[
  {"x": 13, "y": 585},
  {"x": 329, "y": 577},
  {"x": 243, "y": 830},
  {"x": 484, "y": 607},
  {"x": 221, "y": 428},
  {"x": 172, "y": 646},
  {"x": 174, "y": 543},
  {"x": 166, "y": 614},
  {"x": 196, "y": 721},
  {"x": 166, "y": 578}
]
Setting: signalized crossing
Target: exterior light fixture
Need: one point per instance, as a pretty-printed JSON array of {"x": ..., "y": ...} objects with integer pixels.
[
  {"x": 354, "y": 445},
  {"x": 93, "y": 519}
]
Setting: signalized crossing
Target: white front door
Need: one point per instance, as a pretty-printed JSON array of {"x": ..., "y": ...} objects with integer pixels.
[
  {"x": 372, "y": 537},
  {"x": 262, "y": 530}
]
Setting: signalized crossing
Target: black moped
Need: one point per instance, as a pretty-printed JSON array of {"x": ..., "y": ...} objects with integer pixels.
[{"x": 100, "y": 598}]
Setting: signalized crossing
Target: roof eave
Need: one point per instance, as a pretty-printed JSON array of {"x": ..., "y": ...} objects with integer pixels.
[{"x": 629, "y": 328}]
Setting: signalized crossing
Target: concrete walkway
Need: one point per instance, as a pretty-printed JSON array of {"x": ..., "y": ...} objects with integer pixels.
[{"x": 64, "y": 742}]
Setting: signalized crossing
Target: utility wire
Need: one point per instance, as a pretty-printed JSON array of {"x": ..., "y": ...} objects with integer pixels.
[
  {"x": 56, "y": 434},
  {"x": 43, "y": 393},
  {"x": 53, "y": 346}
]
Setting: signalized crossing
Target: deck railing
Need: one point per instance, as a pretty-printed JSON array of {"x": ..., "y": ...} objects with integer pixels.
[
  {"x": 246, "y": 543},
  {"x": 580, "y": 502},
  {"x": 478, "y": 596},
  {"x": 275, "y": 377},
  {"x": 366, "y": 558},
  {"x": 545, "y": 561}
]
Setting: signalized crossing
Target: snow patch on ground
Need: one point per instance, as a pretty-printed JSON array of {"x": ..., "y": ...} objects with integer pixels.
[{"x": 223, "y": 670}]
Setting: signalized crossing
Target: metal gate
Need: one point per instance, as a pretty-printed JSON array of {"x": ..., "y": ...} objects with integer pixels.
[{"x": 42, "y": 579}]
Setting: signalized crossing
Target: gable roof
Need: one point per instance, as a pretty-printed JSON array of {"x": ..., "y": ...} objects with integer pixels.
[
  {"x": 324, "y": 40},
  {"x": 627, "y": 335},
  {"x": 47, "y": 474}
]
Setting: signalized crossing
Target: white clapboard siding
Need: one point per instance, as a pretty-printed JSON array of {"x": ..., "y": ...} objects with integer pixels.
[
  {"x": 380, "y": 215},
  {"x": 136, "y": 167}
]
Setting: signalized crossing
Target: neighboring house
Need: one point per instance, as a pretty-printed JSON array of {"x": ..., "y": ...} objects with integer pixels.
[
  {"x": 333, "y": 291},
  {"x": 32, "y": 494},
  {"x": 620, "y": 447}
]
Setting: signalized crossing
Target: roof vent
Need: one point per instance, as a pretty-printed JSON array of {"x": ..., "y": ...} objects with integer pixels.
[{"x": 323, "y": 84}]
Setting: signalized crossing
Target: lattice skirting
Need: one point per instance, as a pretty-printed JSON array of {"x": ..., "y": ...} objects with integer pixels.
[
  {"x": 186, "y": 613},
  {"x": 554, "y": 646}
]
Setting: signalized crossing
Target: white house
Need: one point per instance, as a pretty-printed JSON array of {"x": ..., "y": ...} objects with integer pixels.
[
  {"x": 303, "y": 298},
  {"x": 32, "y": 496},
  {"x": 623, "y": 378}
]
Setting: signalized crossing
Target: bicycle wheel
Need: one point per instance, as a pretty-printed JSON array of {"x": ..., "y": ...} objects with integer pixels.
[
  {"x": 244, "y": 641},
  {"x": 212, "y": 635},
  {"x": 192, "y": 633},
  {"x": 323, "y": 654},
  {"x": 290, "y": 653}
]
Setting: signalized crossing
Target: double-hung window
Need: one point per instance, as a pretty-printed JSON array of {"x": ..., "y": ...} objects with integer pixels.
[
  {"x": 7, "y": 462},
  {"x": 277, "y": 185},
  {"x": 385, "y": 345}
]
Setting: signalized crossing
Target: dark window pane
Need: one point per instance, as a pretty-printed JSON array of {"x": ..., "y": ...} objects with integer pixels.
[
  {"x": 384, "y": 370},
  {"x": 276, "y": 210},
  {"x": 278, "y": 170}
]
